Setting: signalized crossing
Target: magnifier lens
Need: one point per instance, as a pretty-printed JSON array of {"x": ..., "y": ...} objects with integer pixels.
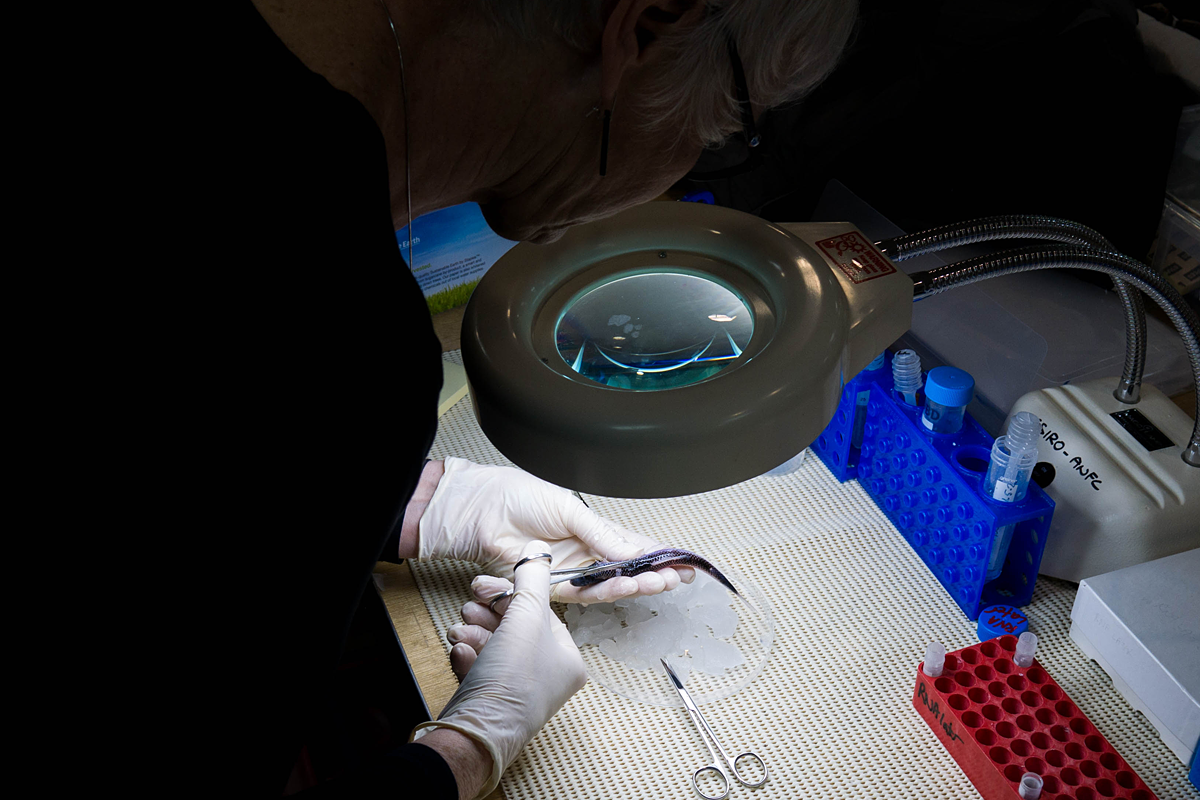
[{"x": 653, "y": 331}]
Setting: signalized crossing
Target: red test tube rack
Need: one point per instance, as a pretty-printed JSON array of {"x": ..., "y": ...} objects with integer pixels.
[{"x": 1000, "y": 721}]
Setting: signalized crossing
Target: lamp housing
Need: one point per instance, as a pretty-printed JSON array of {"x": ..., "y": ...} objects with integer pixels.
[{"x": 674, "y": 348}]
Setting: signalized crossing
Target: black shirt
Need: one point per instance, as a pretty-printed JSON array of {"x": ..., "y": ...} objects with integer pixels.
[{"x": 303, "y": 375}]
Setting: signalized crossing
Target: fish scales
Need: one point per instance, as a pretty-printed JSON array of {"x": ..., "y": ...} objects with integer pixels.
[{"x": 671, "y": 557}]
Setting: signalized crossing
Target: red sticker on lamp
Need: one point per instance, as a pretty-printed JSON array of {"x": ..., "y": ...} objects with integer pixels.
[{"x": 856, "y": 257}]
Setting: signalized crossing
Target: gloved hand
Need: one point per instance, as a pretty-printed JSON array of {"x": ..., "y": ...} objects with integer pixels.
[
  {"x": 528, "y": 670},
  {"x": 480, "y": 620},
  {"x": 488, "y": 514}
]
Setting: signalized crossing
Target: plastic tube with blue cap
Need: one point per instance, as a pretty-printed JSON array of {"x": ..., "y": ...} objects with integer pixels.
[{"x": 947, "y": 392}]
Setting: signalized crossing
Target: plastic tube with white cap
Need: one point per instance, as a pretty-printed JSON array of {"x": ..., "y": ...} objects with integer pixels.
[
  {"x": 1014, "y": 456},
  {"x": 1030, "y": 787},
  {"x": 935, "y": 659},
  {"x": 1026, "y": 650},
  {"x": 906, "y": 375}
]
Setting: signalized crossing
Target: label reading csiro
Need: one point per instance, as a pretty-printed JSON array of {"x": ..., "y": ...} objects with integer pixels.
[{"x": 1075, "y": 463}]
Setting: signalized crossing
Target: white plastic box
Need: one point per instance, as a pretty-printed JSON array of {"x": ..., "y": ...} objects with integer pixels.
[{"x": 1142, "y": 626}]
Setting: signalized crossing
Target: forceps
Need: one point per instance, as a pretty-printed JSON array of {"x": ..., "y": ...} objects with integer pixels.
[
  {"x": 559, "y": 575},
  {"x": 714, "y": 769}
]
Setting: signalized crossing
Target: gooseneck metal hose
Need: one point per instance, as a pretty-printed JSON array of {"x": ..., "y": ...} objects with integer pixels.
[
  {"x": 1036, "y": 226},
  {"x": 1115, "y": 265}
]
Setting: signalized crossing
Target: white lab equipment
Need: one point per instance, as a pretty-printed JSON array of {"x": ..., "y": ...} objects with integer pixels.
[
  {"x": 1141, "y": 624},
  {"x": 1122, "y": 494}
]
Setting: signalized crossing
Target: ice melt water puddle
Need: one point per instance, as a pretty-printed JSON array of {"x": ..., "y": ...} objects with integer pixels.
[
  {"x": 717, "y": 642},
  {"x": 689, "y": 627}
]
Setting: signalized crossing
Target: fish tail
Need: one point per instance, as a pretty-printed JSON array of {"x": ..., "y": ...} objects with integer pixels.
[
  {"x": 716, "y": 573},
  {"x": 670, "y": 557}
]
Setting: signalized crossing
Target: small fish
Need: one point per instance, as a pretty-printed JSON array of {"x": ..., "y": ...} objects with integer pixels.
[{"x": 669, "y": 557}]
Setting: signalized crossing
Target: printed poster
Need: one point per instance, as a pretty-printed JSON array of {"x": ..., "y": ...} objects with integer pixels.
[{"x": 453, "y": 248}]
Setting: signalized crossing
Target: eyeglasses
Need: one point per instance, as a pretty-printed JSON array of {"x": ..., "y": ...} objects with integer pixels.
[{"x": 736, "y": 154}]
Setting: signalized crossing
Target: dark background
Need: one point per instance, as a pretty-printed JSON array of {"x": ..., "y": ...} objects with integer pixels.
[{"x": 944, "y": 111}]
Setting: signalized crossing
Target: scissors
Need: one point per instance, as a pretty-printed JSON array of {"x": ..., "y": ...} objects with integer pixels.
[
  {"x": 718, "y": 773},
  {"x": 558, "y": 575}
]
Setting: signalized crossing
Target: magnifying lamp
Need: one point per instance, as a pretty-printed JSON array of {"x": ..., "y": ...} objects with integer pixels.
[{"x": 674, "y": 348}]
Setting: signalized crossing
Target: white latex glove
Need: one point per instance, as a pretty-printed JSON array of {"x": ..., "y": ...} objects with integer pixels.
[
  {"x": 488, "y": 514},
  {"x": 480, "y": 620},
  {"x": 529, "y": 668}
]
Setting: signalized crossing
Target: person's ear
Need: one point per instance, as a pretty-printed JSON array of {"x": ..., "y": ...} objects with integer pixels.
[{"x": 631, "y": 34}]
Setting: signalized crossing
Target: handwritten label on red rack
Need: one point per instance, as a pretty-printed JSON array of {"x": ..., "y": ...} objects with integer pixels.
[
  {"x": 856, "y": 257},
  {"x": 939, "y": 716}
]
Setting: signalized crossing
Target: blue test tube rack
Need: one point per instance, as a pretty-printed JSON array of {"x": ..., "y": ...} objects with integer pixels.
[
  {"x": 930, "y": 487},
  {"x": 835, "y": 445}
]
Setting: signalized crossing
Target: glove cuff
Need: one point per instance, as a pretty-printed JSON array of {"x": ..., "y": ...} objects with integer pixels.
[
  {"x": 441, "y": 523},
  {"x": 493, "y": 779}
]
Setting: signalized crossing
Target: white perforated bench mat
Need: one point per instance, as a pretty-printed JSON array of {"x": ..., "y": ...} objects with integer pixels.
[{"x": 831, "y": 714}]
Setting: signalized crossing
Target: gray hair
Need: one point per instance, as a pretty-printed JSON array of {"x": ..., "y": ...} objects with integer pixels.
[{"x": 787, "y": 47}]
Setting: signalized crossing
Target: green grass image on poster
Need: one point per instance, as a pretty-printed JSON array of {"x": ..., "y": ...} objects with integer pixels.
[{"x": 450, "y": 298}]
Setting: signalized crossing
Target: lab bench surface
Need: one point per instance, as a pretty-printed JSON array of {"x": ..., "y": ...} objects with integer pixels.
[
  {"x": 427, "y": 655},
  {"x": 839, "y": 577}
]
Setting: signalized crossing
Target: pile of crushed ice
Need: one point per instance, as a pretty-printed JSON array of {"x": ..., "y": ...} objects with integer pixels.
[{"x": 688, "y": 627}]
